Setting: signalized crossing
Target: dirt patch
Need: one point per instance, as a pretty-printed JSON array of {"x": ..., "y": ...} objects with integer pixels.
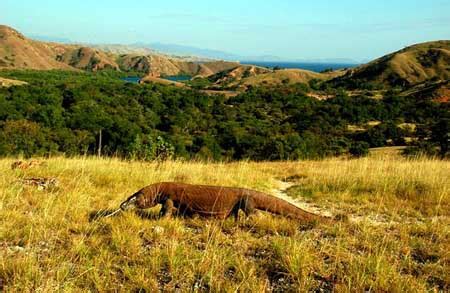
[
  {"x": 373, "y": 219},
  {"x": 281, "y": 281},
  {"x": 164, "y": 277},
  {"x": 281, "y": 192},
  {"x": 201, "y": 284}
]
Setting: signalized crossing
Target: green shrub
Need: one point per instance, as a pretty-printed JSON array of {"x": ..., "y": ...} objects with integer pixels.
[{"x": 359, "y": 149}]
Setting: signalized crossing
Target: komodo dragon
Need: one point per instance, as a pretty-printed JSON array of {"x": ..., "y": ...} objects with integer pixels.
[{"x": 213, "y": 201}]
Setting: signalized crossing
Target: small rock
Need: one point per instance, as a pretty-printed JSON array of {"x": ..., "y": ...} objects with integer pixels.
[
  {"x": 158, "y": 229},
  {"x": 41, "y": 183},
  {"x": 16, "y": 248}
]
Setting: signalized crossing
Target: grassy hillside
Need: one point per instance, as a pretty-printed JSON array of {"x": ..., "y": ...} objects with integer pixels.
[
  {"x": 407, "y": 67},
  {"x": 287, "y": 76},
  {"x": 438, "y": 91},
  {"x": 245, "y": 76},
  {"x": 395, "y": 241},
  {"x": 18, "y": 52},
  {"x": 85, "y": 58},
  {"x": 157, "y": 80},
  {"x": 233, "y": 77}
]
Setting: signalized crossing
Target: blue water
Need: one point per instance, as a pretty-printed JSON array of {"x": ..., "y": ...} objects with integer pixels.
[
  {"x": 131, "y": 79},
  {"x": 178, "y": 77},
  {"x": 317, "y": 67}
]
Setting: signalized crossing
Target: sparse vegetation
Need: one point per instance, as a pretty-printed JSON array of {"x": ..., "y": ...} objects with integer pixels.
[{"x": 396, "y": 240}]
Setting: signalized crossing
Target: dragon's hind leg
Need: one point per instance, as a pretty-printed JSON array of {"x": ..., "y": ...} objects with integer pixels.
[{"x": 246, "y": 205}]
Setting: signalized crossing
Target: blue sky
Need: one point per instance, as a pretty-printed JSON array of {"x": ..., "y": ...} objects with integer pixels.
[{"x": 291, "y": 29}]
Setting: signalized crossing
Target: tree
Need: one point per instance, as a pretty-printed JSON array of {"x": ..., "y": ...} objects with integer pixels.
[
  {"x": 440, "y": 134},
  {"x": 137, "y": 150},
  {"x": 27, "y": 138},
  {"x": 359, "y": 149},
  {"x": 64, "y": 111},
  {"x": 164, "y": 150}
]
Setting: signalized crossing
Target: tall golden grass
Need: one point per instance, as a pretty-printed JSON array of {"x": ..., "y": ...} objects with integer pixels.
[{"x": 49, "y": 243}]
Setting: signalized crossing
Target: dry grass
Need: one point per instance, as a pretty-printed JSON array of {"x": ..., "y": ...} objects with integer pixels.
[
  {"x": 17, "y": 51},
  {"x": 287, "y": 75},
  {"x": 48, "y": 242},
  {"x": 415, "y": 64}
]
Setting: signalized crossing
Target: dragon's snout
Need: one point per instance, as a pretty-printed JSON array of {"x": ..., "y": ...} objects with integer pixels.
[{"x": 128, "y": 204}]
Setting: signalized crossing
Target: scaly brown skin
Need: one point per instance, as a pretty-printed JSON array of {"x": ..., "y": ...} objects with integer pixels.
[{"x": 213, "y": 201}]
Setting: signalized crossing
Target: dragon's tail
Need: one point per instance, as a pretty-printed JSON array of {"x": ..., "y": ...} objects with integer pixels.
[{"x": 281, "y": 207}]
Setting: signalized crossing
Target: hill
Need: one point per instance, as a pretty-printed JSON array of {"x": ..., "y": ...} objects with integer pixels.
[
  {"x": 154, "y": 79},
  {"x": 85, "y": 58},
  {"x": 19, "y": 52},
  {"x": 234, "y": 76},
  {"x": 248, "y": 75},
  {"x": 287, "y": 76},
  {"x": 407, "y": 67},
  {"x": 158, "y": 65},
  {"x": 212, "y": 67},
  {"x": 153, "y": 65}
]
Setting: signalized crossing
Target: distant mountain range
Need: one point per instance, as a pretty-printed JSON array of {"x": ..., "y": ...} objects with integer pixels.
[
  {"x": 51, "y": 39},
  {"x": 182, "y": 51}
]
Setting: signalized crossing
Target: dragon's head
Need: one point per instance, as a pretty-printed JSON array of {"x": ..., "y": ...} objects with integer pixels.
[{"x": 143, "y": 199}]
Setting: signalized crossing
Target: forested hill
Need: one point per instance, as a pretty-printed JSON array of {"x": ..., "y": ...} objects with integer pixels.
[{"x": 63, "y": 112}]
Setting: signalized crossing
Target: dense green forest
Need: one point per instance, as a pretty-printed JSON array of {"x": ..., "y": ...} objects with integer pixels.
[{"x": 64, "y": 113}]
